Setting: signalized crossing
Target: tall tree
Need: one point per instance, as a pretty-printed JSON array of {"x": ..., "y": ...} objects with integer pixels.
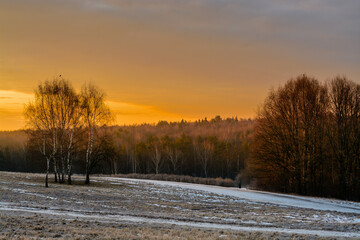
[
  {"x": 204, "y": 148},
  {"x": 172, "y": 151},
  {"x": 344, "y": 133},
  {"x": 156, "y": 152},
  {"x": 289, "y": 135},
  {"x": 51, "y": 114},
  {"x": 95, "y": 113}
]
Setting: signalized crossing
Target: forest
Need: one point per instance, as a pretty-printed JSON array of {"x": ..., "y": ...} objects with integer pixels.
[
  {"x": 205, "y": 148},
  {"x": 305, "y": 139}
]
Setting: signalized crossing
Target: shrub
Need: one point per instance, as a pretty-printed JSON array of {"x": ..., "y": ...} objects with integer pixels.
[{"x": 181, "y": 178}]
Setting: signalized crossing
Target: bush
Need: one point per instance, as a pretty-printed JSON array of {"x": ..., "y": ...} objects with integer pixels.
[{"x": 227, "y": 182}]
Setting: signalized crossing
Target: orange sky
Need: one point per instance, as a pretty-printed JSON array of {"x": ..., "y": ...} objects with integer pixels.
[{"x": 170, "y": 59}]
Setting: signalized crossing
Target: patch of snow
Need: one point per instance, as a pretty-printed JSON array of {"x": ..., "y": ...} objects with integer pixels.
[
  {"x": 31, "y": 184},
  {"x": 40, "y": 195},
  {"x": 249, "y": 222},
  {"x": 22, "y": 191},
  {"x": 114, "y": 183},
  {"x": 156, "y": 205},
  {"x": 96, "y": 181},
  {"x": 18, "y": 190}
]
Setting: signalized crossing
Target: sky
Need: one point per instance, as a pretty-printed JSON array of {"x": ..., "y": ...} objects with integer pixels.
[{"x": 173, "y": 59}]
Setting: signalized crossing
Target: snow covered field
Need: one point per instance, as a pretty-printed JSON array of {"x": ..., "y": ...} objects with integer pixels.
[
  {"x": 262, "y": 197},
  {"x": 149, "y": 208}
]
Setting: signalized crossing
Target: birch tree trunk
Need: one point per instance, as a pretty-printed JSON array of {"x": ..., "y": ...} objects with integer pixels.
[{"x": 68, "y": 160}]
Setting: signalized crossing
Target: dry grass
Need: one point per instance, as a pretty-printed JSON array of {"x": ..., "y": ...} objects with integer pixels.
[
  {"x": 42, "y": 227},
  {"x": 38, "y": 226}
]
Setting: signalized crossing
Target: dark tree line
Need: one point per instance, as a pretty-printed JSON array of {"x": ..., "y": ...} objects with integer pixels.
[
  {"x": 215, "y": 148},
  {"x": 205, "y": 148},
  {"x": 307, "y": 139},
  {"x": 13, "y": 151}
]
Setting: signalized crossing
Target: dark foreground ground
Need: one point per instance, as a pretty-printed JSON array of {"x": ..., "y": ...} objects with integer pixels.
[{"x": 112, "y": 208}]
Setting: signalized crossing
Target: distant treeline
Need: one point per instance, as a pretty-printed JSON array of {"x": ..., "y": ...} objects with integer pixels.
[
  {"x": 305, "y": 140},
  {"x": 215, "y": 148},
  {"x": 205, "y": 148},
  {"x": 13, "y": 153}
]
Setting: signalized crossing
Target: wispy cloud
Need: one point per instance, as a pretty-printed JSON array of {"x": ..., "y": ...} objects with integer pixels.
[{"x": 129, "y": 113}]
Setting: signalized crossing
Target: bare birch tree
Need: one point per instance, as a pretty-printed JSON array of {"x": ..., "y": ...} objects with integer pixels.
[
  {"x": 40, "y": 116},
  {"x": 172, "y": 152},
  {"x": 155, "y": 151},
  {"x": 95, "y": 113},
  {"x": 205, "y": 150},
  {"x": 55, "y": 113}
]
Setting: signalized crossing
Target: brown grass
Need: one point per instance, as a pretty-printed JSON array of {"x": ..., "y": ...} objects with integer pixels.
[{"x": 38, "y": 226}]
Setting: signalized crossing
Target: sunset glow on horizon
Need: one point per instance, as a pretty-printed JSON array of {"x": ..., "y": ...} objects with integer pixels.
[
  {"x": 12, "y": 104},
  {"x": 172, "y": 60}
]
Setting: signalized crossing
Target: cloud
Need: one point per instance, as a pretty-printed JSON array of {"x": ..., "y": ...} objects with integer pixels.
[
  {"x": 11, "y": 107},
  {"x": 183, "y": 57},
  {"x": 10, "y": 98}
]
